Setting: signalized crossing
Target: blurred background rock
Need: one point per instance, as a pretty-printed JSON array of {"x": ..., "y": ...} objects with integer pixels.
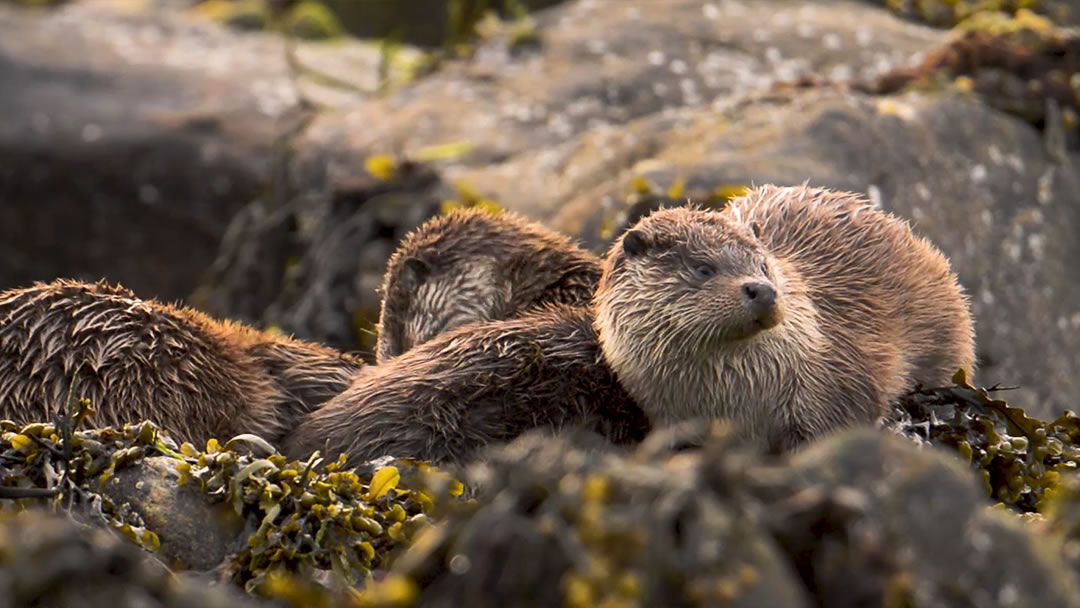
[{"x": 260, "y": 159}]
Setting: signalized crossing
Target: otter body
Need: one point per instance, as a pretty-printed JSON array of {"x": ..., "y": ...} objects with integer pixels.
[
  {"x": 141, "y": 359},
  {"x": 795, "y": 311},
  {"x": 471, "y": 266},
  {"x": 446, "y": 398}
]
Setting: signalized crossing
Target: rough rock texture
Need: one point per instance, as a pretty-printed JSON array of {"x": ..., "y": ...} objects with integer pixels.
[
  {"x": 860, "y": 519},
  {"x": 194, "y": 535},
  {"x": 126, "y": 150},
  {"x": 48, "y": 560}
]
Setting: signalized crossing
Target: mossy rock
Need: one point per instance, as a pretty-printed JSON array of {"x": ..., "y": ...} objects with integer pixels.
[
  {"x": 948, "y": 13},
  {"x": 312, "y": 20},
  {"x": 244, "y": 15}
]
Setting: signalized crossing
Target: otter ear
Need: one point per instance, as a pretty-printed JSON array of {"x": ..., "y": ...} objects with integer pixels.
[
  {"x": 755, "y": 226},
  {"x": 413, "y": 271},
  {"x": 634, "y": 243}
]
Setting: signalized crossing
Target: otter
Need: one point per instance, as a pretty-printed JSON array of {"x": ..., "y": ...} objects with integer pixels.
[
  {"x": 794, "y": 311},
  {"x": 135, "y": 359},
  {"x": 472, "y": 266},
  {"x": 447, "y": 398}
]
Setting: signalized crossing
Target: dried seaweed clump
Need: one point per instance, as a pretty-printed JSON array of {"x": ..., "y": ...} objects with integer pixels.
[
  {"x": 69, "y": 468},
  {"x": 947, "y": 13},
  {"x": 312, "y": 516},
  {"x": 1021, "y": 460},
  {"x": 49, "y": 560},
  {"x": 557, "y": 524},
  {"x": 1021, "y": 65}
]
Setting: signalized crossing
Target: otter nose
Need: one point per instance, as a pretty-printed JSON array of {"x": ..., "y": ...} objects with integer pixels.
[{"x": 759, "y": 297}]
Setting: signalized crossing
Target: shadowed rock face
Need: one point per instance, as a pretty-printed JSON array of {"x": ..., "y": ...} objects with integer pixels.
[{"x": 125, "y": 150}]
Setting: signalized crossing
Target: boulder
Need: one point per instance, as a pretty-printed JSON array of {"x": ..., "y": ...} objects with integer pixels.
[{"x": 126, "y": 150}]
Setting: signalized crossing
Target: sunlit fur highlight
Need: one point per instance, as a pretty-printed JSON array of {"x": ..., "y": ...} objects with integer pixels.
[
  {"x": 476, "y": 267},
  {"x": 868, "y": 309},
  {"x": 142, "y": 359},
  {"x": 446, "y": 399}
]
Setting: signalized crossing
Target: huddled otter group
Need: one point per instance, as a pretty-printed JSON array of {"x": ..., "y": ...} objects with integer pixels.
[{"x": 794, "y": 311}]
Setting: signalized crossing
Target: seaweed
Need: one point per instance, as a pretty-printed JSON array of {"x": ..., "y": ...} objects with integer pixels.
[
  {"x": 1021, "y": 460},
  {"x": 307, "y": 516},
  {"x": 1023, "y": 65}
]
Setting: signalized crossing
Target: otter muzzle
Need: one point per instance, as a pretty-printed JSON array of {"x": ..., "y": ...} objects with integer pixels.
[{"x": 760, "y": 300}]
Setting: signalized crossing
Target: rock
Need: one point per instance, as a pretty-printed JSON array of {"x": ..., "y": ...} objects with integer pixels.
[
  {"x": 314, "y": 270},
  {"x": 126, "y": 150},
  {"x": 194, "y": 534},
  {"x": 488, "y": 131},
  {"x": 603, "y": 64},
  {"x": 871, "y": 515},
  {"x": 557, "y": 523},
  {"x": 860, "y": 518},
  {"x": 48, "y": 560}
]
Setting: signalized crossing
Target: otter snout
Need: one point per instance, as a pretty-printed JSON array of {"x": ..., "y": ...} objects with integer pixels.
[{"x": 760, "y": 299}]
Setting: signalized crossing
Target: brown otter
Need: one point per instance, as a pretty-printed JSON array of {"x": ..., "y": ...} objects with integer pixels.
[
  {"x": 469, "y": 266},
  {"x": 142, "y": 359},
  {"x": 794, "y": 311},
  {"x": 445, "y": 399}
]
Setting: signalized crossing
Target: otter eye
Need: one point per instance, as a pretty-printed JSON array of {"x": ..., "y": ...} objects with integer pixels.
[
  {"x": 764, "y": 268},
  {"x": 704, "y": 271},
  {"x": 755, "y": 227}
]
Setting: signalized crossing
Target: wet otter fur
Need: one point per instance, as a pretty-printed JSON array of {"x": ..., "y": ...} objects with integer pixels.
[
  {"x": 794, "y": 311},
  {"x": 141, "y": 359},
  {"x": 469, "y": 387},
  {"x": 470, "y": 266}
]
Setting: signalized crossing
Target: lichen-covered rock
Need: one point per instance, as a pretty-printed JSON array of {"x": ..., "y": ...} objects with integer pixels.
[
  {"x": 1024, "y": 66},
  {"x": 48, "y": 560},
  {"x": 194, "y": 534},
  {"x": 556, "y": 523},
  {"x": 860, "y": 518},
  {"x": 946, "y": 13},
  {"x": 872, "y": 518}
]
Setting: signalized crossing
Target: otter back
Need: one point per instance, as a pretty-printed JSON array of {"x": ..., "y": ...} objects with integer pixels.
[
  {"x": 141, "y": 359},
  {"x": 445, "y": 399}
]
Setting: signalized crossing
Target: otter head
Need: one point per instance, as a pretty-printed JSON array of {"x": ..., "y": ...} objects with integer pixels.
[
  {"x": 691, "y": 276},
  {"x": 682, "y": 289},
  {"x": 437, "y": 281}
]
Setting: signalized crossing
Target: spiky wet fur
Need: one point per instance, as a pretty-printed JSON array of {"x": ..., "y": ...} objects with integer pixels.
[
  {"x": 868, "y": 309},
  {"x": 142, "y": 359},
  {"x": 471, "y": 266},
  {"x": 447, "y": 398}
]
